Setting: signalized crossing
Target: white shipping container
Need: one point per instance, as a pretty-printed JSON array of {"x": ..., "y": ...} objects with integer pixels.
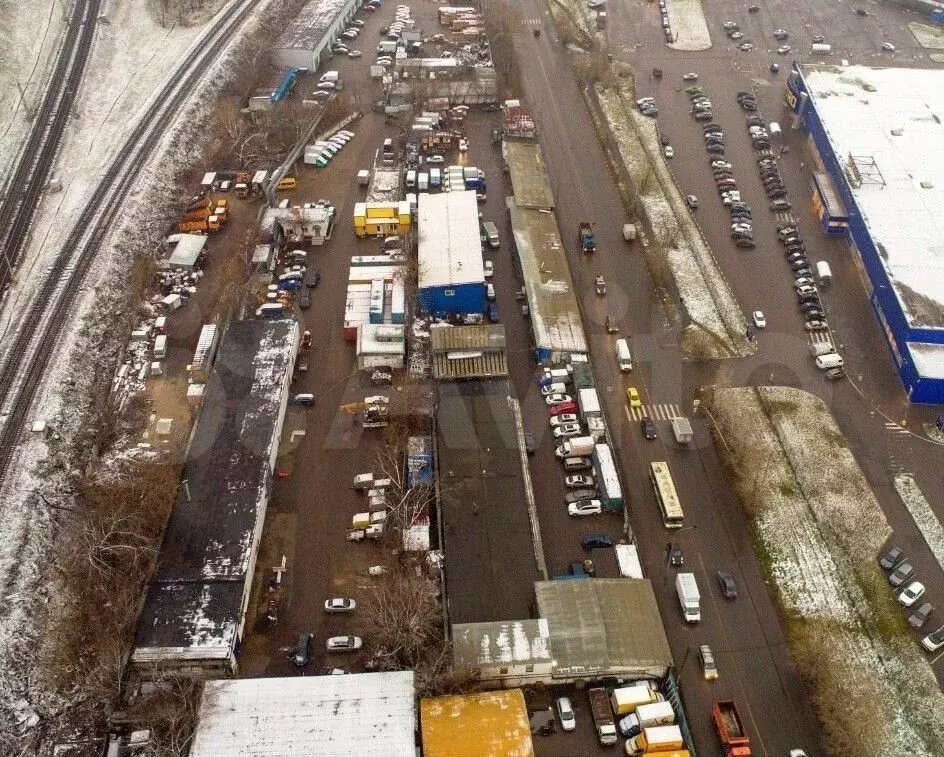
[
  {"x": 627, "y": 558},
  {"x": 609, "y": 481},
  {"x": 589, "y": 402}
]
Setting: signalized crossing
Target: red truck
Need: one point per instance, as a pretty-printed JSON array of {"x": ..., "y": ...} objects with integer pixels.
[{"x": 734, "y": 739}]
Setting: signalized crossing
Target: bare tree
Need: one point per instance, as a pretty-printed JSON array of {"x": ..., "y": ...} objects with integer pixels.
[
  {"x": 406, "y": 505},
  {"x": 169, "y": 710}
]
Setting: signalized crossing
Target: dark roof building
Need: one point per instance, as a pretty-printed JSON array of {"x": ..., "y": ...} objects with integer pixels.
[
  {"x": 194, "y": 612},
  {"x": 462, "y": 352}
]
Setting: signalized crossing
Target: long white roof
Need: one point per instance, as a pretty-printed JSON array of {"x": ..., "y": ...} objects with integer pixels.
[
  {"x": 888, "y": 123},
  {"x": 450, "y": 248},
  {"x": 329, "y": 716}
]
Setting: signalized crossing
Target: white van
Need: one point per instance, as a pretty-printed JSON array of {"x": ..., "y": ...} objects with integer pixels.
[
  {"x": 160, "y": 347},
  {"x": 623, "y": 357},
  {"x": 832, "y": 360},
  {"x": 411, "y": 179},
  {"x": 490, "y": 291},
  {"x": 821, "y": 348},
  {"x": 824, "y": 276},
  {"x": 491, "y": 234}
]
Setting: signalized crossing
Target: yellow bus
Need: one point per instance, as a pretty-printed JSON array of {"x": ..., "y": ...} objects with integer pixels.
[{"x": 664, "y": 487}]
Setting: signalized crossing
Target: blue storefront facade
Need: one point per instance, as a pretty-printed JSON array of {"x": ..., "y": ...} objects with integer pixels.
[{"x": 899, "y": 333}]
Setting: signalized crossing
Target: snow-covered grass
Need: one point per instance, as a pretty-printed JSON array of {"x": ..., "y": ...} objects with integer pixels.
[
  {"x": 30, "y": 33},
  {"x": 819, "y": 529},
  {"x": 687, "y": 19},
  {"x": 701, "y": 287},
  {"x": 924, "y": 517},
  {"x": 929, "y": 37}
]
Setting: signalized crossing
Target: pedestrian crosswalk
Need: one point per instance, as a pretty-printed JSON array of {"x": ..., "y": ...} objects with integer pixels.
[
  {"x": 785, "y": 216},
  {"x": 819, "y": 337},
  {"x": 659, "y": 412},
  {"x": 530, "y": 22},
  {"x": 893, "y": 428}
]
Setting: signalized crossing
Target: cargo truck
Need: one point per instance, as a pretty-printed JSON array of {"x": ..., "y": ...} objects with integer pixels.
[
  {"x": 730, "y": 727},
  {"x": 605, "y": 468},
  {"x": 589, "y": 403},
  {"x": 655, "y": 740},
  {"x": 647, "y": 716},
  {"x": 682, "y": 430},
  {"x": 627, "y": 559},
  {"x": 586, "y": 237},
  {"x": 578, "y": 446},
  {"x": 602, "y": 719},
  {"x": 689, "y": 597},
  {"x": 626, "y": 699}
]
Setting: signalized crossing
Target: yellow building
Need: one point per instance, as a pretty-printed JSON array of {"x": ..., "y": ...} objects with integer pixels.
[
  {"x": 491, "y": 724},
  {"x": 382, "y": 218}
]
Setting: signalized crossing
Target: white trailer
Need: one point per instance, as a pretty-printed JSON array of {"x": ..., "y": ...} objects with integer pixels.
[
  {"x": 689, "y": 597},
  {"x": 682, "y": 430},
  {"x": 589, "y": 403},
  {"x": 627, "y": 558}
]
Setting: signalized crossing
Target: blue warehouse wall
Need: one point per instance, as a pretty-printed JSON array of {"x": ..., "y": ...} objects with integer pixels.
[{"x": 453, "y": 300}]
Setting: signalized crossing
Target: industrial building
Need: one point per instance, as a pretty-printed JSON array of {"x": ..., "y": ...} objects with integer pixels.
[
  {"x": 485, "y": 495},
  {"x": 379, "y": 219},
  {"x": 194, "y": 612},
  {"x": 877, "y": 140},
  {"x": 307, "y": 40},
  {"x": 451, "y": 268},
  {"x": 376, "y": 296},
  {"x": 493, "y": 723},
  {"x": 542, "y": 257},
  {"x": 505, "y": 653},
  {"x": 301, "y": 716},
  {"x": 187, "y": 251}
]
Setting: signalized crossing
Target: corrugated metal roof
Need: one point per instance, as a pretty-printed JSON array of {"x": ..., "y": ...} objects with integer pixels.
[
  {"x": 529, "y": 179},
  {"x": 328, "y": 716},
  {"x": 515, "y": 642},
  {"x": 555, "y": 315},
  {"x": 308, "y": 28},
  {"x": 450, "y": 248},
  {"x": 461, "y": 352},
  {"x": 492, "y": 724},
  {"x": 609, "y": 626}
]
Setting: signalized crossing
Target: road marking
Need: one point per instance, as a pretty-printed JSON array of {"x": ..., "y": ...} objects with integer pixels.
[
  {"x": 819, "y": 337},
  {"x": 659, "y": 412},
  {"x": 893, "y": 428},
  {"x": 941, "y": 654},
  {"x": 530, "y": 22}
]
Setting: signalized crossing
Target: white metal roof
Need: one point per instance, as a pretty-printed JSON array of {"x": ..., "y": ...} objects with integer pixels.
[
  {"x": 928, "y": 359},
  {"x": 889, "y": 121},
  {"x": 450, "y": 249},
  {"x": 328, "y": 716}
]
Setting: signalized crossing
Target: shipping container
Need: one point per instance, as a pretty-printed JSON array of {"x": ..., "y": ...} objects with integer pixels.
[{"x": 605, "y": 468}]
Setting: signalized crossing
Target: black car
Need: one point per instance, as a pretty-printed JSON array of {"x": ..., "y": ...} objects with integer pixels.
[
  {"x": 676, "y": 558},
  {"x": 648, "y": 428},
  {"x": 710, "y": 127},
  {"x": 727, "y": 585},
  {"x": 780, "y": 205},
  {"x": 813, "y": 314},
  {"x": 776, "y": 194},
  {"x": 892, "y": 558},
  {"x": 596, "y": 541},
  {"x": 920, "y": 616},
  {"x": 302, "y": 650},
  {"x": 715, "y": 149},
  {"x": 304, "y": 302},
  {"x": 792, "y": 256},
  {"x": 745, "y": 243},
  {"x": 802, "y": 273},
  {"x": 529, "y": 445},
  {"x": 312, "y": 281},
  {"x": 493, "y": 312}
]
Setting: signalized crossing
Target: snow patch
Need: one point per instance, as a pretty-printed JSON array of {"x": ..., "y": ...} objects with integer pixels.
[
  {"x": 929, "y": 37},
  {"x": 924, "y": 517},
  {"x": 687, "y": 19}
]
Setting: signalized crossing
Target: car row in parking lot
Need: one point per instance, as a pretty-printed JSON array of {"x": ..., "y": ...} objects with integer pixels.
[{"x": 900, "y": 570}]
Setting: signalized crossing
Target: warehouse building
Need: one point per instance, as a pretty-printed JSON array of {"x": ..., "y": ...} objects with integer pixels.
[
  {"x": 467, "y": 352},
  {"x": 490, "y": 724},
  {"x": 451, "y": 268},
  {"x": 301, "y": 716},
  {"x": 307, "y": 40},
  {"x": 542, "y": 257},
  {"x": 878, "y": 139},
  {"x": 194, "y": 612}
]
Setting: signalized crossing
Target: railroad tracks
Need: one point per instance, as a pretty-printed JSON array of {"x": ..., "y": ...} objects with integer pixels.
[
  {"x": 41, "y": 325},
  {"x": 42, "y": 146}
]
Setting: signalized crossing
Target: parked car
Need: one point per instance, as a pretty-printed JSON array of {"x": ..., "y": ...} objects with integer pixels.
[
  {"x": 760, "y": 320},
  {"x": 919, "y": 617},
  {"x": 911, "y": 594},
  {"x": 585, "y": 507},
  {"x": 580, "y": 480},
  {"x": 579, "y": 494},
  {"x": 340, "y": 604},
  {"x": 529, "y": 445},
  {"x": 892, "y": 558},
  {"x": 596, "y": 541},
  {"x": 304, "y": 302},
  {"x": 302, "y": 650},
  {"x": 557, "y": 399},
  {"x": 343, "y": 643},
  {"x": 489, "y": 267},
  {"x": 727, "y": 585},
  {"x": 562, "y": 407},
  {"x": 902, "y": 573},
  {"x": 566, "y": 430},
  {"x": 577, "y": 463},
  {"x": 565, "y": 714},
  {"x": 560, "y": 420},
  {"x": 934, "y": 641}
]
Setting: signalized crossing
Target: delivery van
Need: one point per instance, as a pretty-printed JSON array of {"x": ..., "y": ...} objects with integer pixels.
[
  {"x": 160, "y": 347},
  {"x": 832, "y": 360},
  {"x": 824, "y": 276},
  {"x": 623, "y": 356},
  {"x": 491, "y": 234}
]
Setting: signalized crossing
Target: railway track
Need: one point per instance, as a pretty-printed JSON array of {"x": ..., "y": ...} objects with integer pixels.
[
  {"x": 41, "y": 325},
  {"x": 42, "y": 146}
]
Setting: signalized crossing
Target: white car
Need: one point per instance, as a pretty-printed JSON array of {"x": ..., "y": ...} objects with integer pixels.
[
  {"x": 463, "y": 145},
  {"x": 340, "y": 604},
  {"x": 344, "y": 643},
  {"x": 783, "y": 49},
  {"x": 912, "y": 593},
  {"x": 805, "y": 289},
  {"x": 489, "y": 269},
  {"x": 585, "y": 507},
  {"x": 746, "y": 47},
  {"x": 803, "y": 282},
  {"x": 566, "y": 430},
  {"x": 560, "y": 420},
  {"x": 934, "y": 641},
  {"x": 556, "y": 399},
  {"x": 760, "y": 320},
  {"x": 690, "y": 77},
  {"x": 357, "y": 22},
  {"x": 354, "y": 54},
  {"x": 669, "y": 152},
  {"x": 565, "y": 713},
  {"x": 580, "y": 481},
  {"x": 434, "y": 159},
  {"x": 888, "y": 47}
]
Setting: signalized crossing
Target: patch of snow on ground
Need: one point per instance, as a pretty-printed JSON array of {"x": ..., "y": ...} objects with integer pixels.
[
  {"x": 30, "y": 32},
  {"x": 929, "y": 37},
  {"x": 687, "y": 19},
  {"x": 924, "y": 517}
]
